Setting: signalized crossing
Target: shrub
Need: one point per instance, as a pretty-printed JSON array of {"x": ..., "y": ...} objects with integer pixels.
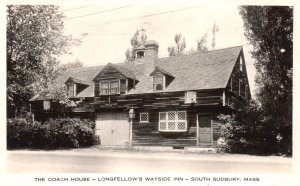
[
  {"x": 70, "y": 132},
  {"x": 264, "y": 139},
  {"x": 22, "y": 133},
  {"x": 58, "y": 133}
]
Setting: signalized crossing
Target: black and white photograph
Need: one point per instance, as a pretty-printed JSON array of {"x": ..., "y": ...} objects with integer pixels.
[{"x": 161, "y": 92}]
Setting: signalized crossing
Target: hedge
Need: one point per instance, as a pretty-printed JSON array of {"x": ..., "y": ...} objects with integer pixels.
[
  {"x": 259, "y": 140},
  {"x": 52, "y": 134}
]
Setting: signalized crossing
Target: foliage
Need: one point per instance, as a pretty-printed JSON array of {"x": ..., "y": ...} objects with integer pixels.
[
  {"x": 53, "y": 134},
  {"x": 65, "y": 67},
  {"x": 202, "y": 45},
  {"x": 35, "y": 40},
  {"x": 273, "y": 58},
  {"x": 69, "y": 133},
  {"x": 179, "y": 47},
  {"x": 139, "y": 38},
  {"x": 21, "y": 133},
  {"x": 269, "y": 30},
  {"x": 249, "y": 132}
]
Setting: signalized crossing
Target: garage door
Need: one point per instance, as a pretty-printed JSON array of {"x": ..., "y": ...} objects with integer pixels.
[{"x": 113, "y": 128}]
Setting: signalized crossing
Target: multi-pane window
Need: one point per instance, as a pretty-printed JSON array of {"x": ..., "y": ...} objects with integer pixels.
[
  {"x": 173, "y": 121},
  {"x": 158, "y": 83},
  {"x": 144, "y": 117},
  {"x": 114, "y": 87},
  {"x": 104, "y": 88},
  {"x": 109, "y": 87}
]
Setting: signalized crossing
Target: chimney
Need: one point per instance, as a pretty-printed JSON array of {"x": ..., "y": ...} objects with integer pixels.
[{"x": 150, "y": 56}]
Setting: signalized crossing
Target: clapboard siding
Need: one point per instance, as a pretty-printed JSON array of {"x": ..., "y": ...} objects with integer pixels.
[
  {"x": 147, "y": 134},
  {"x": 158, "y": 100},
  {"x": 238, "y": 87},
  {"x": 216, "y": 125}
]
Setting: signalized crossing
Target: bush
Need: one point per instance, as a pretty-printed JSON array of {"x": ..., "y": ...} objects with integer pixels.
[
  {"x": 58, "y": 133},
  {"x": 22, "y": 133},
  {"x": 70, "y": 132},
  {"x": 248, "y": 139}
]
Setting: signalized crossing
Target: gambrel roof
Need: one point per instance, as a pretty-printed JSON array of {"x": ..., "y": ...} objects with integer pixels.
[{"x": 208, "y": 70}]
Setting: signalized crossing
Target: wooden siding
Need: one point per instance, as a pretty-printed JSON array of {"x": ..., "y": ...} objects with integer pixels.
[
  {"x": 85, "y": 110},
  {"x": 159, "y": 100},
  {"x": 235, "y": 90},
  {"x": 147, "y": 134}
]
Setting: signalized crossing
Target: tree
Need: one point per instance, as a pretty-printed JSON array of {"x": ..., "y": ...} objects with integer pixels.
[
  {"x": 179, "y": 47},
  {"x": 270, "y": 30},
  {"x": 35, "y": 40},
  {"x": 202, "y": 45},
  {"x": 139, "y": 38},
  {"x": 65, "y": 67}
]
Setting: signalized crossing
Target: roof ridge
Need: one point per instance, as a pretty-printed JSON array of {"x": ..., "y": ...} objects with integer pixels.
[{"x": 201, "y": 52}]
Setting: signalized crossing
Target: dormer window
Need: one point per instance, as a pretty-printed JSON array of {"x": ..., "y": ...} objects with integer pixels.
[
  {"x": 71, "y": 89},
  {"x": 104, "y": 87},
  {"x": 114, "y": 87},
  {"x": 140, "y": 54},
  {"x": 110, "y": 87},
  {"x": 75, "y": 86},
  {"x": 158, "y": 83}
]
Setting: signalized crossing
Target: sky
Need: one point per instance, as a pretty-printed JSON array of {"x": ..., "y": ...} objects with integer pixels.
[{"x": 109, "y": 28}]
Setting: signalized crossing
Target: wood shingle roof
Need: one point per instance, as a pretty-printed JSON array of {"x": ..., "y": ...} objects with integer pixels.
[{"x": 208, "y": 70}]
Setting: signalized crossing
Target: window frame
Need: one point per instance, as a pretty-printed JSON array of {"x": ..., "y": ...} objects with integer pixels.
[
  {"x": 73, "y": 86},
  {"x": 108, "y": 89},
  {"x": 176, "y": 121},
  {"x": 162, "y": 82},
  {"x": 147, "y": 113},
  {"x": 110, "y": 82}
]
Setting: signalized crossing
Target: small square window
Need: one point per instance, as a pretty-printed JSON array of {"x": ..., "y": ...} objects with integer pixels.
[
  {"x": 158, "y": 83},
  {"x": 144, "y": 117}
]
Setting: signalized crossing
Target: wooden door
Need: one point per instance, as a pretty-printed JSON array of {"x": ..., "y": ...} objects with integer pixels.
[
  {"x": 204, "y": 129},
  {"x": 113, "y": 128},
  {"x": 120, "y": 129}
]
